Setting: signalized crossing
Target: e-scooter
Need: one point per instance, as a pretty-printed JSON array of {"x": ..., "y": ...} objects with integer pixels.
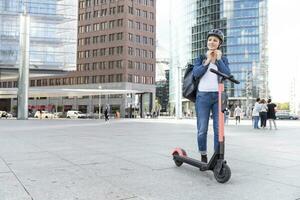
[{"x": 217, "y": 163}]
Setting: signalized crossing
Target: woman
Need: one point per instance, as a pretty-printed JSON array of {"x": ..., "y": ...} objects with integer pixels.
[
  {"x": 207, "y": 94},
  {"x": 255, "y": 113},
  {"x": 271, "y": 114},
  {"x": 263, "y": 113}
]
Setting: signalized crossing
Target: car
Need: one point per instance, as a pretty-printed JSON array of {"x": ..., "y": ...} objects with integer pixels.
[
  {"x": 5, "y": 114},
  {"x": 286, "y": 116},
  {"x": 43, "y": 115},
  {"x": 74, "y": 114}
]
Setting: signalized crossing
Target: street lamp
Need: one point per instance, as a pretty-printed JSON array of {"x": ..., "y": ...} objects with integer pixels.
[{"x": 99, "y": 101}]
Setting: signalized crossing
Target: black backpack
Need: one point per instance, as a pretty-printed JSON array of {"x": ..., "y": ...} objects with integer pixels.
[{"x": 189, "y": 84}]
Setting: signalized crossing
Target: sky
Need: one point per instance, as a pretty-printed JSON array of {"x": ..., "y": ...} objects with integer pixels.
[{"x": 283, "y": 44}]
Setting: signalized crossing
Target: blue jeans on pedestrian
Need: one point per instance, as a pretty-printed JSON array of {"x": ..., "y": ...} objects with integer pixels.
[
  {"x": 256, "y": 119},
  {"x": 206, "y": 102}
]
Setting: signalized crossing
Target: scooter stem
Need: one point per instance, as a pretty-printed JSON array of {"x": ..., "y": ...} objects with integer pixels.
[{"x": 221, "y": 114}]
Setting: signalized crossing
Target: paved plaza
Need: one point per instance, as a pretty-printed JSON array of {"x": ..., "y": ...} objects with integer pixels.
[{"x": 131, "y": 159}]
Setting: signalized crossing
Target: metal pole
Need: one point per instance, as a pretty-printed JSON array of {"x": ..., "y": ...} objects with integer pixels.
[
  {"x": 99, "y": 102},
  {"x": 178, "y": 101},
  {"x": 23, "y": 82}
]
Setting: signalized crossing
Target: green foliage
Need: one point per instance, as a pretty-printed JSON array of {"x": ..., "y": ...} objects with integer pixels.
[{"x": 283, "y": 106}]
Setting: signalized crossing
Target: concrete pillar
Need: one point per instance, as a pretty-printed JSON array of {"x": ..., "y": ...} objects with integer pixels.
[{"x": 23, "y": 82}]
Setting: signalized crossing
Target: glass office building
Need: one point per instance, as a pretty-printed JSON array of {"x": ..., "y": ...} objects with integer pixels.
[
  {"x": 244, "y": 24},
  {"x": 53, "y": 33},
  {"x": 182, "y": 19}
]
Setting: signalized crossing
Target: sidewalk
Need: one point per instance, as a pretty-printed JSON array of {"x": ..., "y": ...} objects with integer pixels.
[{"x": 130, "y": 159}]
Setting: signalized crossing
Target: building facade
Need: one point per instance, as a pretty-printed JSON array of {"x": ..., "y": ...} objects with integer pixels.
[
  {"x": 52, "y": 33},
  {"x": 115, "y": 50},
  {"x": 244, "y": 24}
]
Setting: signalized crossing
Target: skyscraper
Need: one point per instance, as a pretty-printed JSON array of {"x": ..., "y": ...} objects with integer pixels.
[{"x": 244, "y": 24}]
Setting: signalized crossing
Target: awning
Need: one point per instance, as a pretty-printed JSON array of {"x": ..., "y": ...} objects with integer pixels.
[{"x": 61, "y": 92}]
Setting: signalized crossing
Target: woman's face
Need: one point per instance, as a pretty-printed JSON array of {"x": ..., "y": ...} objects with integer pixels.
[{"x": 213, "y": 42}]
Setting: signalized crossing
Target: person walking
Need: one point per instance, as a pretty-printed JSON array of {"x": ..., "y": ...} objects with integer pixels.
[
  {"x": 106, "y": 114},
  {"x": 226, "y": 115},
  {"x": 207, "y": 93},
  {"x": 263, "y": 113},
  {"x": 271, "y": 114},
  {"x": 237, "y": 114},
  {"x": 255, "y": 113}
]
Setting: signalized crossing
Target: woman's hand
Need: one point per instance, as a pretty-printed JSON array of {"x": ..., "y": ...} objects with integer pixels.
[{"x": 218, "y": 54}]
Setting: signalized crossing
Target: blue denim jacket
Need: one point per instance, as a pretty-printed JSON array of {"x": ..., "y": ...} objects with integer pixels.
[{"x": 200, "y": 69}]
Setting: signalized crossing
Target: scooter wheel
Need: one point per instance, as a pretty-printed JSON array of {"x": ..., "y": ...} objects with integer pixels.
[
  {"x": 224, "y": 175},
  {"x": 177, "y": 162}
]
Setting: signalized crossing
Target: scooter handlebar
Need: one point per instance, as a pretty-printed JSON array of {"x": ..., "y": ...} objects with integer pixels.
[{"x": 225, "y": 76}]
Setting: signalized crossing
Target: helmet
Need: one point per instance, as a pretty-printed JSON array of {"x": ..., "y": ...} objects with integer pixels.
[{"x": 218, "y": 33}]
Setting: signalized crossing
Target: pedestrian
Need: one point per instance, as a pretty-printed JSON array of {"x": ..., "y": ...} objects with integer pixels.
[
  {"x": 263, "y": 113},
  {"x": 106, "y": 114},
  {"x": 207, "y": 93},
  {"x": 271, "y": 113},
  {"x": 237, "y": 114},
  {"x": 226, "y": 115},
  {"x": 255, "y": 113}
]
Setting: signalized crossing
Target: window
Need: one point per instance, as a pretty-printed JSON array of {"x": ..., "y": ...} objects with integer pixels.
[
  {"x": 136, "y": 79},
  {"x": 144, "y": 40},
  {"x": 102, "y": 52},
  {"x": 144, "y": 27},
  {"x": 111, "y": 78},
  {"x": 130, "y": 51},
  {"x": 120, "y": 9},
  {"x": 119, "y": 64},
  {"x": 96, "y": 39},
  {"x": 130, "y": 64},
  {"x": 88, "y": 15},
  {"x": 138, "y": 39},
  {"x": 130, "y": 10},
  {"x": 119, "y": 22},
  {"x": 96, "y": 27},
  {"x": 95, "y": 52},
  {"x": 129, "y": 77},
  {"x": 137, "y": 65},
  {"x": 138, "y": 25},
  {"x": 151, "y": 41},
  {"x": 151, "y": 54},
  {"x": 151, "y": 67},
  {"x": 151, "y": 28},
  {"x": 32, "y": 83},
  {"x": 112, "y": 10},
  {"x": 120, "y": 50},
  {"x": 137, "y": 52},
  {"x": 130, "y": 24},
  {"x": 144, "y": 66},
  {"x": 111, "y": 51},
  {"x": 111, "y": 37},
  {"x": 103, "y": 25},
  {"x": 119, "y": 36},
  {"x": 101, "y": 78},
  {"x": 151, "y": 15},
  {"x": 110, "y": 64},
  {"x": 103, "y": 12},
  {"x": 118, "y": 77},
  {"x": 88, "y": 28},
  {"x": 111, "y": 24},
  {"x": 102, "y": 38},
  {"x": 145, "y": 14},
  {"x": 130, "y": 37},
  {"x": 138, "y": 12}
]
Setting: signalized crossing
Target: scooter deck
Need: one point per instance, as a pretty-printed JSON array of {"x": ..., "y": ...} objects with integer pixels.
[{"x": 191, "y": 161}]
